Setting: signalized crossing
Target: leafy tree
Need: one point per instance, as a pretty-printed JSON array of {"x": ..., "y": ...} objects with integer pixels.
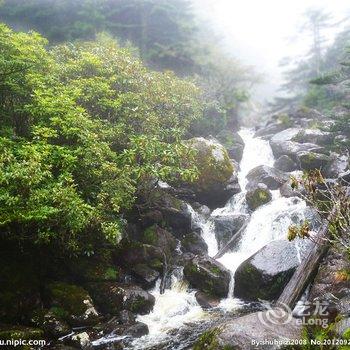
[
  {"x": 82, "y": 128},
  {"x": 299, "y": 72},
  {"x": 163, "y": 30}
]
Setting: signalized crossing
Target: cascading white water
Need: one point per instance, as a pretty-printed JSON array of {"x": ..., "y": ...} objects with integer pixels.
[{"x": 269, "y": 222}]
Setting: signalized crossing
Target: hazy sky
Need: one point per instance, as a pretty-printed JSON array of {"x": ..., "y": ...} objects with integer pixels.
[{"x": 260, "y": 31}]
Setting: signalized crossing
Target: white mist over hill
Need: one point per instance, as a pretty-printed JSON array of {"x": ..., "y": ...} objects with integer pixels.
[{"x": 261, "y": 33}]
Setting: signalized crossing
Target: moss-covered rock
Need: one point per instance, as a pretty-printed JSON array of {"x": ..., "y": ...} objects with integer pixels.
[
  {"x": 71, "y": 303},
  {"x": 131, "y": 253},
  {"x": 265, "y": 274},
  {"x": 111, "y": 298},
  {"x": 215, "y": 171},
  {"x": 194, "y": 243},
  {"x": 159, "y": 237},
  {"x": 145, "y": 275},
  {"x": 208, "y": 275},
  {"x": 52, "y": 322},
  {"x": 163, "y": 208},
  {"x": 97, "y": 268},
  {"x": 312, "y": 160},
  {"x": 258, "y": 196},
  {"x": 226, "y": 227},
  {"x": 20, "y": 333}
]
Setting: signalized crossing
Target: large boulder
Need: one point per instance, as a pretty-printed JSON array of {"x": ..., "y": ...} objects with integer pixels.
[
  {"x": 265, "y": 274},
  {"x": 284, "y": 143},
  {"x": 208, "y": 275},
  {"x": 316, "y": 136},
  {"x": 312, "y": 160},
  {"x": 71, "y": 303},
  {"x": 249, "y": 332},
  {"x": 271, "y": 177},
  {"x": 233, "y": 142},
  {"x": 291, "y": 148},
  {"x": 111, "y": 298},
  {"x": 215, "y": 172},
  {"x": 285, "y": 163},
  {"x": 258, "y": 196},
  {"x": 270, "y": 130},
  {"x": 132, "y": 253},
  {"x": 159, "y": 237},
  {"x": 226, "y": 226},
  {"x": 194, "y": 243}
]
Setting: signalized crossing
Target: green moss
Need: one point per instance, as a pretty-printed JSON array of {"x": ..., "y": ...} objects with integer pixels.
[
  {"x": 285, "y": 120},
  {"x": 137, "y": 305},
  {"x": 156, "y": 264},
  {"x": 150, "y": 235},
  {"x": 208, "y": 340},
  {"x": 212, "y": 171},
  {"x": 111, "y": 274},
  {"x": 215, "y": 269},
  {"x": 69, "y": 298},
  {"x": 19, "y": 332}
]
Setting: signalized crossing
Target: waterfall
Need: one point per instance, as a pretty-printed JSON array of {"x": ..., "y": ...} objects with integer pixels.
[{"x": 177, "y": 306}]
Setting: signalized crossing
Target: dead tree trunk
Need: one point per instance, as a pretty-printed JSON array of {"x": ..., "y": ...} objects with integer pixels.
[{"x": 307, "y": 270}]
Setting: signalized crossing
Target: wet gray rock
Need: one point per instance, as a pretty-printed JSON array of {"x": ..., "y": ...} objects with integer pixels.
[
  {"x": 161, "y": 205},
  {"x": 311, "y": 160},
  {"x": 285, "y": 135},
  {"x": 291, "y": 148},
  {"x": 208, "y": 275},
  {"x": 258, "y": 196},
  {"x": 240, "y": 333},
  {"x": 287, "y": 191},
  {"x": 194, "y": 243},
  {"x": 145, "y": 275},
  {"x": 285, "y": 163},
  {"x": 271, "y": 177},
  {"x": 268, "y": 131},
  {"x": 233, "y": 142},
  {"x": 206, "y": 301},
  {"x": 265, "y": 274},
  {"x": 316, "y": 136},
  {"x": 226, "y": 226},
  {"x": 329, "y": 278}
]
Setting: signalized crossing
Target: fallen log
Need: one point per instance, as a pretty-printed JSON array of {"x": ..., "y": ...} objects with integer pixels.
[{"x": 307, "y": 270}]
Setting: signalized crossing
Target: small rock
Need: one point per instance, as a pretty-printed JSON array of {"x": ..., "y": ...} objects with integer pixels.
[
  {"x": 258, "y": 196},
  {"x": 206, "y": 301},
  {"x": 226, "y": 226},
  {"x": 208, "y": 275},
  {"x": 194, "y": 243},
  {"x": 271, "y": 177},
  {"x": 82, "y": 340},
  {"x": 285, "y": 163}
]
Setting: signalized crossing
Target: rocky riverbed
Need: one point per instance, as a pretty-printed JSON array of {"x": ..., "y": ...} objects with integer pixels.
[{"x": 193, "y": 257}]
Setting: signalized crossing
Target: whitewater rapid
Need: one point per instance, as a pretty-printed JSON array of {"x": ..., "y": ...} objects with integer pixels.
[{"x": 178, "y": 306}]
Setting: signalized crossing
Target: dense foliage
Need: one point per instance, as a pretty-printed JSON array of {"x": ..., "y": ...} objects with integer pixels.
[
  {"x": 82, "y": 127},
  {"x": 163, "y": 30},
  {"x": 167, "y": 35}
]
